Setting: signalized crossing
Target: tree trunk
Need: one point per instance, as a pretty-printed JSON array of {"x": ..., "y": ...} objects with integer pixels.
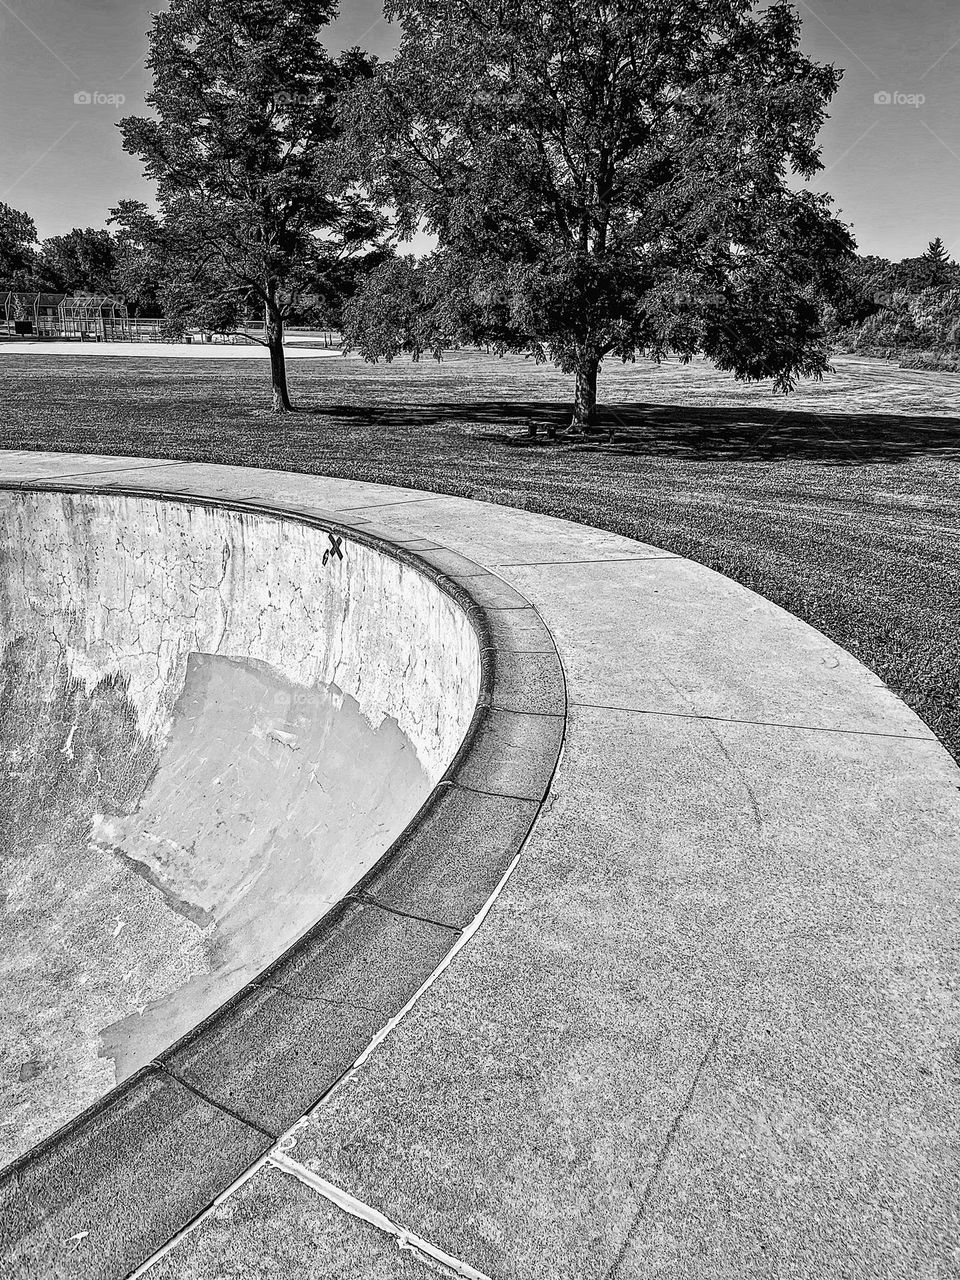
[
  {"x": 278, "y": 363},
  {"x": 585, "y": 395}
]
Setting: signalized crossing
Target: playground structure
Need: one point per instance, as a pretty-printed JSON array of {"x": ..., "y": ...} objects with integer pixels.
[{"x": 100, "y": 318}]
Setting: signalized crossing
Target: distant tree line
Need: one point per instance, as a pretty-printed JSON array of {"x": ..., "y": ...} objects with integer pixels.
[
  {"x": 908, "y": 310},
  {"x": 138, "y": 260},
  {"x": 125, "y": 263}
]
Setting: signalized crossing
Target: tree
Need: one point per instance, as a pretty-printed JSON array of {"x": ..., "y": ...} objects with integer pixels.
[
  {"x": 18, "y": 236},
  {"x": 937, "y": 262},
  {"x": 605, "y": 179},
  {"x": 255, "y": 196},
  {"x": 142, "y": 250},
  {"x": 82, "y": 261},
  {"x": 937, "y": 252}
]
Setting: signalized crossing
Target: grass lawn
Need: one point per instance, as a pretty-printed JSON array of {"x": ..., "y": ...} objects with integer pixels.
[{"x": 839, "y": 503}]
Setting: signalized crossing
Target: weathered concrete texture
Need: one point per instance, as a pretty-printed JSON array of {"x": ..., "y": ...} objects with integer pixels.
[
  {"x": 451, "y": 861},
  {"x": 510, "y": 754},
  {"x": 187, "y": 578},
  {"x": 662, "y": 1025},
  {"x": 274, "y": 1055},
  {"x": 707, "y": 1028},
  {"x": 530, "y": 683},
  {"x": 275, "y": 1228},
  {"x": 143, "y": 1154},
  {"x": 208, "y": 736}
]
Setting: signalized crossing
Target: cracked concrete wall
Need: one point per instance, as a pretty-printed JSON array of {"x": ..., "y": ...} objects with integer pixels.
[{"x": 206, "y": 736}]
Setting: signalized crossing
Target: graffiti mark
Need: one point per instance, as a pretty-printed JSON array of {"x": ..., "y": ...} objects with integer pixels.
[{"x": 335, "y": 548}]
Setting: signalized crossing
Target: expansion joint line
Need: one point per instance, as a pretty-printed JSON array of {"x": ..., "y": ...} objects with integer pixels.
[
  {"x": 357, "y": 1209},
  {"x": 368, "y": 899},
  {"x": 214, "y": 1102}
]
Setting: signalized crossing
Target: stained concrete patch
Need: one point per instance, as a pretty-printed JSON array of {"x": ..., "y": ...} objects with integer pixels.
[
  {"x": 262, "y": 813},
  {"x": 707, "y": 1023},
  {"x": 275, "y": 1228}
]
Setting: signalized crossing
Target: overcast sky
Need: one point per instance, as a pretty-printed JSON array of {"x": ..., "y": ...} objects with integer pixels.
[{"x": 892, "y": 166}]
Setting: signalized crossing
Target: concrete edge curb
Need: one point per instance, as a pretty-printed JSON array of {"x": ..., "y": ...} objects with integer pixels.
[{"x": 106, "y": 1192}]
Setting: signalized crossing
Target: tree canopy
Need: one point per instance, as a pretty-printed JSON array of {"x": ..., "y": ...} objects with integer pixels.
[
  {"x": 604, "y": 179},
  {"x": 256, "y": 195},
  {"x": 140, "y": 257},
  {"x": 18, "y": 238},
  {"x": 82, "y": 261}
]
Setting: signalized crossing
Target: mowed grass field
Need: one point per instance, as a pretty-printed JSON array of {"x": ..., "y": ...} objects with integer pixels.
[{"x": 841, "y": 503}]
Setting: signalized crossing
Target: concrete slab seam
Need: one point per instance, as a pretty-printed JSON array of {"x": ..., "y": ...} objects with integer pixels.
[
  {"x": 210, "y": 1102},
  {"x": 759, "y": 724},
  {"x": 32, "y": 481},
  {"x": 364, "y": 896},
  {"x": 201, "y": 1217},
  {"x": 562, "y": 564},
  {"x": 357, "y": 1209},
  {"x": 665, "y": 1148},
  {"x": 399, "y": 502}
]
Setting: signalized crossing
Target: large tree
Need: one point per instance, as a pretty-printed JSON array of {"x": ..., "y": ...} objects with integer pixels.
[
  {"x": 141, "y": 246},
  {"x": 605, "y": 179},
  {"x": 255, "y": 194},
  {"x": 18, "y": 237},
  {"x": 82, "y": 261}
]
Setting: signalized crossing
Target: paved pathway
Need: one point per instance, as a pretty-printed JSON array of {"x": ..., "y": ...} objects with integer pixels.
[{"x": 708, "y": 1028}]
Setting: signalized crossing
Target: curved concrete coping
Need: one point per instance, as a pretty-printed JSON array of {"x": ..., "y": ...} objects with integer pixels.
[
  {"x": 225, "y": 1092},
  {"x": 708, "y": 1026}
]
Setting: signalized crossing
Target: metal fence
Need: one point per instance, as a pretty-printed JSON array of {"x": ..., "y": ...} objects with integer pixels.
[{"x": 98, "y": 318}]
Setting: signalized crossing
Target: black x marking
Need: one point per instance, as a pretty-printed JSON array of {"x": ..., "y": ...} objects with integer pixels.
[{"x": 335, "y": 549}]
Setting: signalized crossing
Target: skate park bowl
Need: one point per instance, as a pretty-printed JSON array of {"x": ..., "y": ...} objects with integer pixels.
[{"x": 215, "y": 724}]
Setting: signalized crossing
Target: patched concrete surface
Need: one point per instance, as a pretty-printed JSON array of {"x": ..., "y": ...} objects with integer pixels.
[
  {"x": 709, "y": 1027},
  {"x": 208, "y": 735}
]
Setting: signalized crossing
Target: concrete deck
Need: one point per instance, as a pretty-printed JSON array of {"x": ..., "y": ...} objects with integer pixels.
[{"x": 708, "y": 1027}]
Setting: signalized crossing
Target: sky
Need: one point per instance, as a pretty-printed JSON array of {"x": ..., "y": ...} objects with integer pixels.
[{"x": 70, "y": 69}]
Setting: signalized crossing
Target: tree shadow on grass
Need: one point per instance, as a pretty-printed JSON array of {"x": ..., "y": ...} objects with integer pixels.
[{"x": 694, "y": 433}]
